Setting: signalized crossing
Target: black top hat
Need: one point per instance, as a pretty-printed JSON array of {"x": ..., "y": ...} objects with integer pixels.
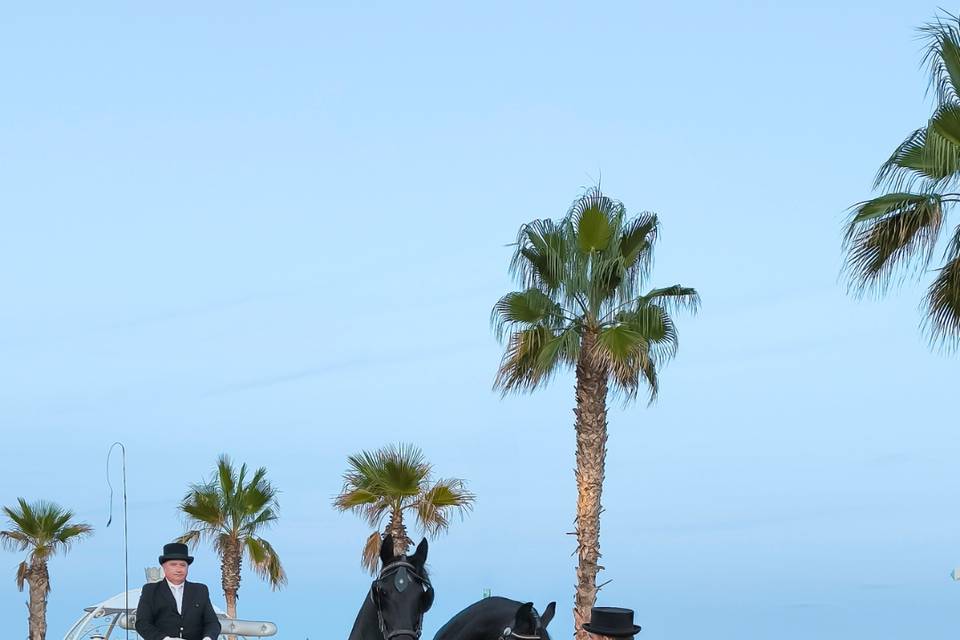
[
  {"x": 611, "y": 621},
  {"x": 176, "y": 551}
]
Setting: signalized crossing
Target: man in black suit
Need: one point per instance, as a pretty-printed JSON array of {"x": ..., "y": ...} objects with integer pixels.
[{"x": 174, "y": 608}]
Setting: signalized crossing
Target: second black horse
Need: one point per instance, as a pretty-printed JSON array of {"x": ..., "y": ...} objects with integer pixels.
[{"x": 498, "y": 618}]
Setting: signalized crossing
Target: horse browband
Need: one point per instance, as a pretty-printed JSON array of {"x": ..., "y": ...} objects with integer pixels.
[
  {"x": 400, "y": 563},
  {"x": 510, "y": 633}
]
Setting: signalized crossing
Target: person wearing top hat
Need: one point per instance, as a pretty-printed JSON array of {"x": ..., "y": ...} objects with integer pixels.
[
  {"x": 611, "y": 622},
  {"x": 174, "y": 608}
]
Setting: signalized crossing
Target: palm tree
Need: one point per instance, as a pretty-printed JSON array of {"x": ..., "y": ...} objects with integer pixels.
[
  {"x": 42, "y": 528},
  {"x": 231, "y": 511},
  {"x": 384, "y": 484},
  {"x": 896, "y": 234},
  {"x": 581, "y": 307}
]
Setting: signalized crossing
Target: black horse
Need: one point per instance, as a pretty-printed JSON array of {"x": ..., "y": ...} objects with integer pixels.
[
  {"x": 498, "y": 619},
  {"x": 398, "y": 598}
]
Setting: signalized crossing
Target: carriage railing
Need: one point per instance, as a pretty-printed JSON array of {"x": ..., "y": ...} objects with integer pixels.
[{"x": 103, "y": 625}]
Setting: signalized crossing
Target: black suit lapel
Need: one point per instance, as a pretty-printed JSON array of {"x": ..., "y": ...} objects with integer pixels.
[
  {"x": 189, "y": 596},
  {"x": 167, "y": 593}
]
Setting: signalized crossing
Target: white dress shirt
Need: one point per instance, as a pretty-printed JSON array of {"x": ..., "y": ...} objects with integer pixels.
[
  {"x": 177, "y": 590},
  {"x": 177, "y": 595}
]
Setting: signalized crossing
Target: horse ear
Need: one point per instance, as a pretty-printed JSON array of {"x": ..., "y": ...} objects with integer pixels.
[
  {"x": 386, "y": 550},
  {"x": 419, "y": 556},
  {"x": 547, "y": 614},
  {"x": 524, "y": 621}
]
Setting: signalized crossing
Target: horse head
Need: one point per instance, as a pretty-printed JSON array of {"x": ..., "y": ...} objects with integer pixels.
[
  {"x": 402, "y": 592},
  {"x": 528, "y": 624}
]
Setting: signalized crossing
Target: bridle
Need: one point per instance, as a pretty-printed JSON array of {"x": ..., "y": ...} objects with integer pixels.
[
  {"x": 402, "y": 571},
  {"x": 510, "y": 633}
]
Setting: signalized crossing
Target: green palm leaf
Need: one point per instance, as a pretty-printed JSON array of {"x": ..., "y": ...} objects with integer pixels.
[
  {"x": 886, "y": 232},
  {"x": 525, "y": 309},
  {"x": 527, "y": 361},
  {"x": 943, "y": 304},
  {"x": 943, "y": 56}
]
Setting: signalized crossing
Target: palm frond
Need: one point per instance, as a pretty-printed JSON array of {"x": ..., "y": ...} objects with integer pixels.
[
  {"x": 265, "y": 562},
  {"x": 540, "y": 257},
  {"x": 648, "y": 369},
  {"x": 654, "y": 323},
  {"x": 15, "y": 540},
  {"x": 370, "y": 560},
  {"x": 673, "y": 298},
  {"x": 887, "y": 232},
  {"x": 23, "y": 570},
  {"x": 942, "y": 56},
  {"x": 591, "y": 217},
  {"x": 637, "y": 241},
  {"x": 225, "y": 478},
  {"x": 448, "y": 494},
  {"x": 940, "y": 155},
  {"x": 907, "y": 162},
  {"x": 524, "y": 309},
  {"x": 562, "y": 349},
  {"x": 620, "y": 351},
  {"x": 401, "y": 470},
  {"x": 69, "y": 534},
  {"x": 524, "y": 366},
  {"x": 191, "y": 537},
  {"x": 262, "y": 520},
  {"x": 353, "y": 499},
  {"x": 943, "y": 303},
  {"x": 204, "y": 504}
]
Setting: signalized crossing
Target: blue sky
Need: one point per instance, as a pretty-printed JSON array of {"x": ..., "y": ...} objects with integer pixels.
[{"x": 278, "y": 231}]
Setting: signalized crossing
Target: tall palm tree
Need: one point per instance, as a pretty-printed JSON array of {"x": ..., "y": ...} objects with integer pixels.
[
  {"x": 581, "y": 307},
  {"x": 231, "y": 510},
  {"x": 896, "y": 233},
  {"x": 44, "y": 529},
  {"x": 385, "y": 484}
]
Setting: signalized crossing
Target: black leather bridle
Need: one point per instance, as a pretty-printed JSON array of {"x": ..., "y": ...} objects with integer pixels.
[
  {"x": 403, "y": 572},
  {"x": 510, "y": 633}
]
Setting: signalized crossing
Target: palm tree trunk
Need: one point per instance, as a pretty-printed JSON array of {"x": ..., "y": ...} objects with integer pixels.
[
  {"x": 396, "y": 528},
  {"x": 591, "y": 433},
  {"x": 39, "y": 580},
  {"x": 230, "y": 576}
]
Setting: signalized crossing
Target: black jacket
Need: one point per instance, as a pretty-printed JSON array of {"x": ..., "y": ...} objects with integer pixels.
[{"x": 157, "y": 615}]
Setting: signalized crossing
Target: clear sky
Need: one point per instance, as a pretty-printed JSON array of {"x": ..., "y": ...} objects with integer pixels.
[{"x": 277, "y": 229}]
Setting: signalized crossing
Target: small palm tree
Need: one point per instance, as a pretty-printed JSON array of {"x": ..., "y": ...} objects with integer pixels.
[
  {"x": 231, "y": 510},
  {"x": 897, "y": 231},
  {"x": 581, "y": 308},
  {"x": 386, "y": 483},
  {"x": 42, "y": 528}
]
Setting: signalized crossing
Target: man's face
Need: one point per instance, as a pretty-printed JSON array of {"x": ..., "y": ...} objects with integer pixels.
[{"x": 175, "y": 571}]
